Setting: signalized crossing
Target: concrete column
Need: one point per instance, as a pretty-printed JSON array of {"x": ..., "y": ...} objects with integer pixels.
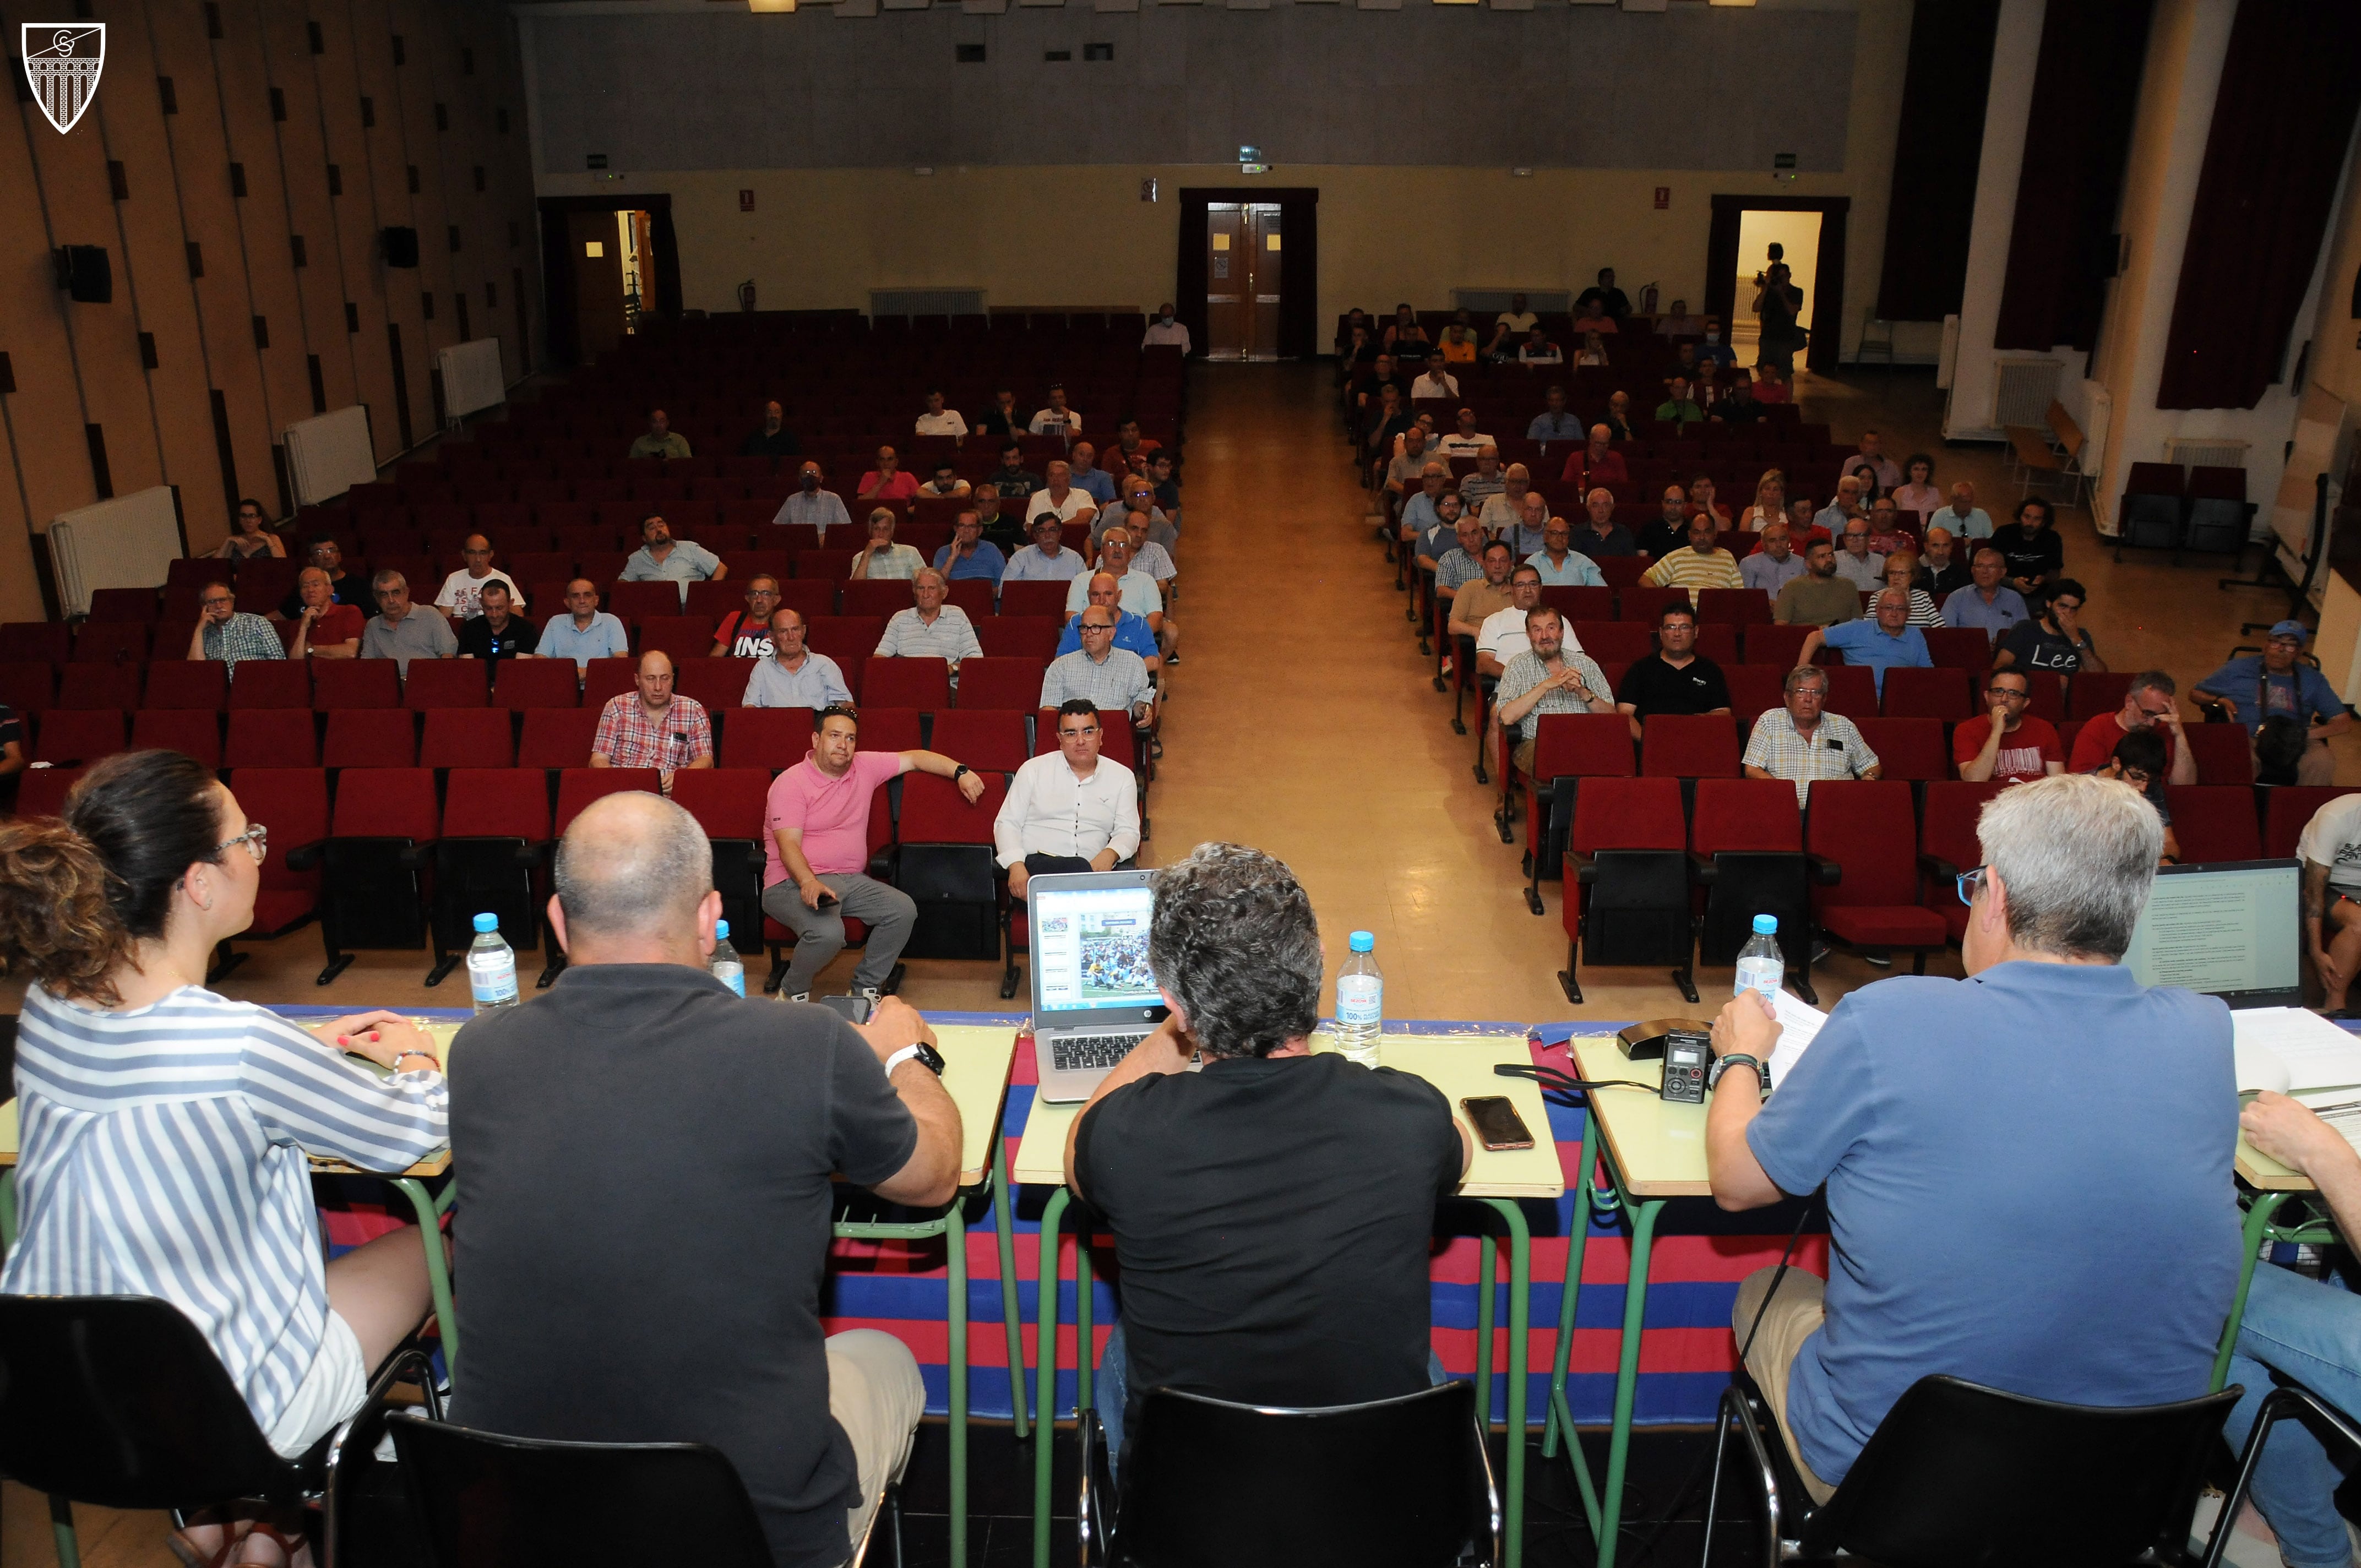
[{"x": 2016, "y": 48}]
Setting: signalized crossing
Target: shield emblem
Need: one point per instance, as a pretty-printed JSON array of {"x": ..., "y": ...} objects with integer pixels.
[{"x": 63, "y": 60}]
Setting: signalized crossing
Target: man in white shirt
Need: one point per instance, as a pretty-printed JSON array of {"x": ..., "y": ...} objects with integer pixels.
[
  {"x": 1140, "y": 594},
  {"x": 1465, "y": 441},
  {"x": 1060, "y": 499},
  {"x": 1963, "y": 517},
  {"x": 823, "y": 509},
  {"x": 1045, "y": 560},
  {"x": 1436, "y": 382},
  {"x": 1517, "y": 318},
  {"x": 940, "y": 421},
  {"x": 1502, "y": 636},
  {"x": 1057, "y": 415},
  {"x": 930, "y": 628},
  {"x": 1165, "y": 329},
  {"x": 1067, "y": 810},
  {"x": 462, "y": 598},
  {"x": 1855, "y": 564},
  {"x": 1505, "y": 512}
]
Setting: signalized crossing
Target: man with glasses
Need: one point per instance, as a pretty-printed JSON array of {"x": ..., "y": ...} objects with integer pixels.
[
  {"x": 654, "y": 727},
  {"x": 2139, "y": 763},
  {"x": 2007, "y": 744},
  {"x": 343, "y": 587},
  {"x": 2056, "y": 639},
  {"x": 746, "y": 634},
  {"x": 2146, "y": 705},
  {"x": 585, "y": 631},
  {"x": 969, "y": 554},
  {"x": 1799, "y": 741},
  {"x": 226, "y": 632},
  {"x": 1099, "y": 672},
  {"x": 1883, "y": 642},
  {"x": 792, "y": 675},
  {"x": 1561, "y": 566},
  {"x": 1131, "y": 631},
  {"x": 1856, "y": 563},
  {"x": 401, "y": 631},
  {"x": 1067, "y": 810},
  {"x": 462, "y": 598},
  {"x": 1046, "y": 560},
  {"x": 2279, "y": 684}
]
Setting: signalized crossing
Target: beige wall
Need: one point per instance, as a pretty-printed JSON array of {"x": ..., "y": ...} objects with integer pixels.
[{"x": 2336, "y": 335}]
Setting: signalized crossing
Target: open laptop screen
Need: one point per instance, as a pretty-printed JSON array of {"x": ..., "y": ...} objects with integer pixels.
[
  {"x": 1090, "y": 948},
  {"x": 2229, "y": 929}
]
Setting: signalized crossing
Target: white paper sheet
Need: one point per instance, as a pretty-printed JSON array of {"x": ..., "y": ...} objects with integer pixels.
[
  {"x": 1801, "y": 1025},
  {"x": 2293, "y": 1051}
]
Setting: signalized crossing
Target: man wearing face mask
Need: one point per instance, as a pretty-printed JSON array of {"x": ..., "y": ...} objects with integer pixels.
[
  {"x": 823, "y": 509},
  {"x": 1165, "y": 329}
]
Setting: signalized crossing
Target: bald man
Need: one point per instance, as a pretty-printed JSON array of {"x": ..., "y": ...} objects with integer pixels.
[
  {"x": 654, "y": 727},
  {"x": 689, "y": 1275}
]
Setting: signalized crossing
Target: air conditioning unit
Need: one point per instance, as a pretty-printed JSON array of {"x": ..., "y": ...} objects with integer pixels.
[
  {"x": 925, "y": 303},
  {"x": 2023, "y": 391}
]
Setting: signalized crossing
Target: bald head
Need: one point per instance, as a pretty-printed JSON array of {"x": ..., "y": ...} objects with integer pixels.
[{"x": 632, "y": 867}]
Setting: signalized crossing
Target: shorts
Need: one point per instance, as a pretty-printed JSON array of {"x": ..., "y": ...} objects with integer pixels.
[{"x": 334, "y": 1386}]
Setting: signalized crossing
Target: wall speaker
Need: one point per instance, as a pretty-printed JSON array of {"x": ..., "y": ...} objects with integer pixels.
[
  {"x": 85, "y": 275},
  {"x": 401, "y": 246}
]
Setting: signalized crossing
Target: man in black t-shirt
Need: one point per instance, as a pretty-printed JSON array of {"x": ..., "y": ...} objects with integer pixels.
[
  {"x": 2054, "y": 639},
  {"x": 1271, "y": 1212},
  {"x": 646, "y": 1161},
  {"x": 2035, "y": 554},
  {"x": 495, "y": 634},
  {"x": 1675, "y": 678}
]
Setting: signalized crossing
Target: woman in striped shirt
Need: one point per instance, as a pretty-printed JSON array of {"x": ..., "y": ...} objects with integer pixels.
[{"x": 165, "y": 1129}]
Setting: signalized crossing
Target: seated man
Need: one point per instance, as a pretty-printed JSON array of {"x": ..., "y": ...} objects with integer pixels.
[
  {"x": 462, "y": 598},
  {"x": 1137, "y": 515},
  {"x": 1502, "y": 636},
  {"x": 1140, "y": 594},
  {"x": 2276, "y": 683},
  {"x": 1619, "y": 417},
  {"x": 1667, "y": 533},
  {"x": 1045, "y": 560},
  {"x": 2148, "y": 705},
  {"x": 1986, "y": 603},
  {"x": 1277, "y": 1195},
  {"x": 2330, "y": 849},
  {"x": 661, "y": 440},
  {"x": 1130, "y": 446},
  {"x": 495, "y": 634},
  {"x": 1943, "y": 568},
  {"x": 661, "y": 558},
  {"x": 930, "y": 628},
  {"x": 585, "y": 631},
  {"x": 969, "y": 553},
  {"x": 887, "y": 482},
  {"x": 1799, "y": 742},
  {"x": 772, "y": 438},
  {"x": 344, "y": 587},
  {"x": 2036, "y": 557},
  {"x": 1006, "y": 530},
  {"x": 1600, "y": 536},
  {"x": 227, "y": 633},
  {"x": 401, "y": 631},
  {"x": 1597, "y": 463},
  {"x": 791, "y": 675},
  {"x": 1891, "y": 1107},
  {"x": 1887, "y": 535},
  {"x": 1529, "y": 535},
  {"x": 745, "y": 1111},
  {"x": 881, "y": 558},
  {"x": 1165, "y": 328},
  {"x": 1132, "y": 633},
  {"x": 1057, "y": 417},
  {"x": 940, "y": 421},
  {"x": 1001, "y": 421},
  {"x": 1505, "y": 512},
  {"x": 1964, "y": 518},
  {"x": 1844, "y": 505},
  {"x": 823, "y": 509},
  {"x": 1555, "y": 421},
  {"x": 2139, "y": 763},
  {"x": 1559, "y": 563},
  {"x": 1537, "y": 349},
  {"x": 1881, "y": 641},
  {"x": 1775, "y": 563},
  {"x": 324, "y": 629},
  {"x": 2055, "y": 639},
  {"x": 652, "y": 726},
  {"x": 1067, "y": 810},
  {"x": 1871, "y": 451},
  {"x": 946, "y": 484},
  {"x": 1060, "y": 499},
  {"x": 2007, "y": 744},
  {"x": 1463, "y": 563},
  {"x": 1678, "y": 406},
  {"x": 1818, "y": 598},
  {"x": 1856, "y": 563},
  {"x": 1435, "y": 381},
  {"x": 1547, "y": 677},
  {"x": 1407, "y": 469},
  {"x": 818, "y": 827},
  {"x": 1703, "y": 565},
  {"x": 1084, "y": 474},
  {"x": 1675, "y": 678},
  {"x": 1166, "y": 485},
  {"x": 1464, "y": 440},
  {"x": 1479, "y": 601},
  {"x": 1610, "y": 298},
  {"x": 1099, "y": 673},
  {"x": 746, "y": 634}
]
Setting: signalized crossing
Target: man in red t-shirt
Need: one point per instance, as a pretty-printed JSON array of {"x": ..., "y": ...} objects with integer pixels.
[
  {"x": 746, "y": 634},
  {"x": 2007, "y": 744},
  {"x": 2148, "y": 705}
]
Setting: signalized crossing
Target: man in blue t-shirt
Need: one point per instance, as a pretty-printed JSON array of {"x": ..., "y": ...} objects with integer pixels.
[
  {"x": 1881, "y": 644},
  {"x": 1946, "y": 1118},
  {"x": 2277, "y": 684}
]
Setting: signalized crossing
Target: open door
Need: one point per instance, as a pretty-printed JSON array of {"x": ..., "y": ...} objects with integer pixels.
[
  {"x": 1723, "y": 263},
  {"x": 607, "y": 262}
]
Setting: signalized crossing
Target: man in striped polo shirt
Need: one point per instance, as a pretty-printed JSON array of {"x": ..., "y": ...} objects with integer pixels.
[{"x": 1701, "y": 565}]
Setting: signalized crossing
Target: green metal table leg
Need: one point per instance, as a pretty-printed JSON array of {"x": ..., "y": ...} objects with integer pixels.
[
  {"x": 1626, "y": 1379},
  {"x": 955, "y": 1258},
  {"x": 1085, "y": 1353},
  {"x": 1486, "y": 1268},
  {"x": 1003, "y": 1201},
  {"x": 62, "y": 1525},
  {"x": 8, "y": 1212},
  {"x": 1561, "y": 1414},
  {"x": 1044, "y": 1357},
  {"x": 2259, "y": 1214},
  {"x": 438, "y": 1268},
  {"x": 1520, "y": 1257}
]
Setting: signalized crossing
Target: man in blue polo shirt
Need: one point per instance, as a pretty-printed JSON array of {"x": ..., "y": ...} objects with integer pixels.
[
  {"x": 2277, "y": 683},
  {"x": 969, "y": 553},
  {"x": 1986, "y": 603},
  {"x": 1881, "y": 644}
]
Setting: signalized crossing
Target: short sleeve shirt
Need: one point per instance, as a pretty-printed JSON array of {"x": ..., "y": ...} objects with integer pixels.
[
  {"x": 1525, "y": 672},
  {"x": 463, "y": 595},
  {"x": 688, "y": 562},
  {"x": 1653, "y": 686},
  {"x": 2302, "y": 694},
  {"x": 1867, "y": 642},
  {"x": 832, "y": 813},
  {"x": 2331, "y": 839},
  {"x": 2025, "y": 752},
  {"x": 2030, "y": 554},
  {"x": 12, "y": 728},
  {"x": 626, "y": 737},
  {"x": 479, "y": 640},
  {"x": 2035, "y": 647},
  {"x": 1835, "y": 751}
]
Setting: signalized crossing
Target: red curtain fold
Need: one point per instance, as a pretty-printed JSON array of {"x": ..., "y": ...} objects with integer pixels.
[
  {"x": 1936, "y": 154},
  {"x": 2290, "y": 85}
]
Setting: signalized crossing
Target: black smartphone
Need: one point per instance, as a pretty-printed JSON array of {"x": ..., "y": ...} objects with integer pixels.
[{"x": 1497, "y": 1123}]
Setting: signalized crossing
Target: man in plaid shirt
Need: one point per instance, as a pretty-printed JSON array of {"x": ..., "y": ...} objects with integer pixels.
[
  {"x": 1800, "y": 744},
  {"x": 227, "y": 633},
  {"x": 651, "y": 728}
]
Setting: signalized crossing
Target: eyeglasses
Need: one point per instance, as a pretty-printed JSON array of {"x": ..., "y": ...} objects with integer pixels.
[
  {"x": 257, "y": 839},
  {"x": 1969, "y": 881},
  {"x": 2001, "y": 693},
  {"x": 1096, "y": 626}
]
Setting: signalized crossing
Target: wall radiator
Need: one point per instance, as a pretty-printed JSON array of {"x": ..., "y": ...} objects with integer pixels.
[
  {"x": 925, "y": 303},
  {"x": 471, "y": 378},
  {"x": 129, "y": 542},
  {"x": 2205, "y": 452},
  {"x": 330, "y": 454},
  {"x": 2023, "y": 391}
]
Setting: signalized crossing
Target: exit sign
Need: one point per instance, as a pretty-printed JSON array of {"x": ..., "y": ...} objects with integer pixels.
[{"x": 1663, "y": 197}]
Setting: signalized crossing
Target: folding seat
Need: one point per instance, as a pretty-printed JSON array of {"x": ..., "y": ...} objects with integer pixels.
[
  {"x": 1622, "y": 640},
  {"x": 535, "y": 683},
  {"x": 1734, "y": 607},
  {"x": 922, "y": 684},
  {"x": 444, "y": 520},
  {"x": 795, "y": 538},
  {"x": 1622, "y": 572},
  {"x": 467, "y": 738},
  {"x": 719, "y": 684},
  {"x": 2215, "y": 822},
  {"x": 349, "y": 683},
  {"x": 745, "y": 563},
  {"x": 685, "y": 637},
  {"x": 1749, "y": 840},
  {"x": 99, "y": 685},
  {"x": 1717, "y": 641},
  {"x": 192, "y": 571},
  {"x": 849, "y": 640},
  {"x": 379, "y": 843},
  {"x": 635, "y": 602},
  {"x": 1928, "y": 693},
  {"x": 77, "y": 735},
  {"x": 825, "y": 564},
  {"x": 772, "y": 739},
  {"x": 1001, "y": 681},
  {"x": 556, "y": 737},
  {"x": 134, "y": 605},
  {"x": 1035, "y": 598},
  {"x": 530, "y": 566},
  {"x": 275, "y": 683},
  {"x": 749, "y": 516},
  {"x": 2220, "y": 516},
  {"x": 190, "y": 683},
  {"x": 1779, "y": 646},
  {"x": 578, "y": 787},
  {"x": 1007, "y": 636},
  {"x": 942, "y": 859},
  {"x": 112, "y": 642},
  {"x": 509, "y": 525},
  {"x": 1754, "y": 690},
  {"x": 1852, "y": 690},
  {"x": 1948, "y": 846},
  {"x": 808, "y": 599},
  {"x": 1627, "y": 881},
  {"x": 883, "y": 599},
  {"x": 271, "y": 738},
  {"x": 1567, "y": 748},
  {"x": 709, "y": 602},
  {"x": 30, "y": 686},
  {"x": 192, "y": 732},
  {"x": 2094, "y": 694},
  {"x": 989, "y": 740},
  {"x": 2152, "y": 512},
  {"x": 2287, "y": 810},
  {"x": 369, "y": 738},
  {"x": 446, "y": 682},
  {"x": 1866, "y": 829},
  {"x": 293, "y": 803},
  {"x": 891, "y": 729},
  {"x": 1910, "y": 750},
  {"x": 43, "y": 793},
  {"x": 494, "y": 834},
  {"x": 1689, "y": 746},
  {"x": 604, "y": 678},
  {"x": 730, "y": 805}
]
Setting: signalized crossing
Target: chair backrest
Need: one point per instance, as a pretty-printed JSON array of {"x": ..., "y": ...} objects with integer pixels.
[
  {"x": 271, "y": 738},
  {"x": 606, "y": 678},
  {"x": 888, "y": 729},
  {"x": 728, "y": 802},
  {"x": 1746, "y": 815},
  {"x": 922, "y": 684},
  {"x": 293, "y": 803},
  {"x": 716, "y": 683},
  {"x": 1628, "y": 814},
  {"x": 496, "y": 803},
  {"x": 557, "y": 738},
  {"x": 352, "y": 683},
  {"x": 536, "y": 683},
  {"x": 1852, "y": 690},
  {"x": 43, "y": 791},
  {"x": 78, "y": 735},
  {"x": 1643, "y": 602},
  {"x": 2223, "y": 753},
  {"x": 99, "y": 685},
  {"x": 999, "y": 682},
  {"x": 1870, "y": 828},
  {"x": 1033, "y": 597},
  {"x": 189, "y": 683},
  {"x": 485, "y": 1501},
  {"x": 1736, "y": 606},
  {"x": 578, "y": 787},
  {"x": 1391, "y": 1483},
  {"x": 2094, "y": 694},
  {"x": 1776, "y": 645},
  {"x": 1926, "y": 694},
  {"x": 467, "y": 738},
  {"x": 885, "y": 597},
  {"x": 2215, "y": 822},
  {"x": 684, "y": 637},
  {"x": 1754, "y": 690},
  {"x": 2287, "y": 809},
  {"x": 446, "y": 682},
  {"x": 1011, "y": 636},
  {"x": 1910, "y": 750},
  {"x": 635, "y": 602},
  {"x": 991, "y": 740},
  {"x": 769, "y": 737},
  {"x": 1689, "y": 746},
  {"x": 387, "y": 802},
  {"x": 1620, "y": 641},
  {"x": 1958, "y": 647},
  {"x": 371, "y": 737},
  {"x": 30, "y": 686},
  {"x": 273, "y": 683},
  {"x": 189, "y": 731}
]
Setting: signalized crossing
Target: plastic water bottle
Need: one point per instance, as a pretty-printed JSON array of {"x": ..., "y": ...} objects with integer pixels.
[
  {"x": 1361, "y": 1002},
  {"x": 491, "y": 966},
  {"x": 1761, "y": 966},
  {"x": 727, "y": 967}
]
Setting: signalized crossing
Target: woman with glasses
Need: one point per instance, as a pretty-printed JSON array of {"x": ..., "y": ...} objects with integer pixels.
[{"x": 166, "y": 1129}]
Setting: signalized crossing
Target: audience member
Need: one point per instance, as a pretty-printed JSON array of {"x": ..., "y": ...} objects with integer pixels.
[
  {"x": 1702, "y": 565},
  {"x": 1593, "y": 318},
  {"x": 1014, "y": 482},
  {"x": 1045, "y": 560},
  {"x": 249, "y": 536},
  {"x": 1419, "y": 511},
  {"x": 661, "y": 558},
  {"x": 324, "y": 628},
  {"x": 1619, "y": 417},
  {"x": 1555, "y": 421},
  {"x": 1607, "y": 295},
  {"x": 1001, "y": 421},
  {"x": 1464, "y": 440},
  {"x": 1986, "y": 603},
  {"x": 1668, "y": 531},
  {"x": 930, "y": 628},
  {"x": 1677, "y": 322},
  {"x": 1769, "y": 503},
  {"x": 1804, "y": 525},
  {"x": 746, "y": 634},
  {"x": 1166, "y": 328},
  {"x": 461, "y": 597},
  {"x": 585, "y": 631},
  {"x": 1883, "y": 640},
  {"x": 940, "y": 421},
  {"x": 1067, "y": 810},
  {"x": 1458, "y": 345},
  {"x": 1963, "y": 517},
  {"x": 1770, "y": 383},
  {"x": 1463, "y": 563},
  {"x": 1800, "y": 742},
  {"x": 1886, "y": 534},
  {"x": 652, "y": 726},
  {"x": 1002, "y": 530},
  {"x": 1502, "y": 636},
  {"x": 1485, "y": 481},
  {"x": 1596, "y": 464},
  {"x": 661, "y": 440},
  {"x": 1675, "y": 678},
  {"x": 495, "y": 634},
  {"x": 1060, "y": 499},
  {"x": 790, "y": 674},
  {"x": 1548, "y": 677},
  {"x": 344, "y": 586},
  {"x": 1405, "y": 339},
  {"x": 887, "y": 482},
  {"x": 1593, "y": 351},
  {"x": 2007, "y": 744},
  {"x": 1917, "y": 492},
  {"x": 1140, "y": 594},
  {"x": 1530, "y": 533},
  {"x": 1537, "y": 349},
  {"x": 1407, "y": 468},
  {"x": 401, "y": 631},
  {"x": 1389, "y": 422},
  {"x": 1855, "y": 562},
  {"x": 1679, "y": 408},
  {"x": 1099, "y": 673},
  {"x": 882, "y": 559},
  {"x": 2035, "y": 555},
  {"x": 2148, "y": 705},
  {"x": 823, "y": 509},
  {"x": 772, "y": 438},
  {"x": 970, "y": 554},
  {"x": 1701, "y": 500},
  {"x": 1819, "y": 597},
  {"x": 1871, "y": 451},
  {"x": 1429, "y": 548},
  {"x": 1772, "y": 566},
  {"x": 1435, "y": 381},
  {"x": 1737, "y": 403},
  {"x": 2276, "y": 683},
  {"x": 2330, "y": 849},
  {"x": 227, "y": 633},
  {"x": 1132, "y": 633},
  {"x": 1506, "y": 512},
  {"x": 1482, "y": 596},
  {"x": 2139, "y": 762},
  {"x": 2056, "y": 639},
  {"x": 1600, "y": 535},
  {"x": 1057, "y": 416},
  {"x": 946, "y": 484},
  {"x": 1943, "y": 569},
  {"x": 1083, "y": 473},
  {"x": 1846, "y": 506},
  {"x": 1560, "y": 565},
  {"x": 1902, "y": 577}
]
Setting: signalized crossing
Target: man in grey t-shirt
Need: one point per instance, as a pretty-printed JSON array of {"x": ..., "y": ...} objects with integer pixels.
[{"x": 401, "y": 631}]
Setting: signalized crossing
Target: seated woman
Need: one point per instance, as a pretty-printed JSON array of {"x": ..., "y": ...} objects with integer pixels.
[
  {"x": 166, "y": 1129},
  {"x": 1917, "y": 493},
  {"x": 1769, "y": 503},
  {"x": 247, "y": 538}
]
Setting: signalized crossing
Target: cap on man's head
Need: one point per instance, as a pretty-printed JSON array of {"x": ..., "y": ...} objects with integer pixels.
[{"x": 2292, "y": 628}]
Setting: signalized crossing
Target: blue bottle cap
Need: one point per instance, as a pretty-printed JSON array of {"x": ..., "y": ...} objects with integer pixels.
[
  {"x": 721, "y": 930},
  {"x": 488, "y": 923},
  {"x": 1766, "y": 925},
  {"x": 1362, "y": 942}
]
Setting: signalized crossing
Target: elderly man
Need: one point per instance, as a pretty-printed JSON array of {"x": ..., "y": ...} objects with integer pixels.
[
  {"x": 1045, "y": 560},
  {"x": 1477, "y": 600},
  {"x": 401, "y": 631},
  {"x": 2276, "y": 683},
  {"x": 2008, "y": 743},
  {"x": 1058, "y": 498},
  {"x": 2056, "y": 639},
  {"x": 1667, "y": 533},
  {"x": 1531, "y": 532},
  {"x": 462, "y": 598},
  {"x": 930, "y": 628},
  {"x": 1560, "y": 565},
  {"x": 772, "y": 438},
  {"x": 1555, "y": 421},
  {"x": 1099, "y": 672},
  {"x": 1799, "y": 742},
  {"x": 746, "y": 1113},
  {"x": 1086, "y": 476},
  {"x": 495, "y": 634},
  {"x": 1502, "y": 636},
  {"x": 888, "y": 481},
  {"x": 652, "y": 726},
  {"x": 1701, "y": 564},
  {"x": 1132, "y": 633},
  {"x": 746, "y": 634},
  {"x": 1406, "y": 471},
  {"x": 227, "y": 633},
  {"x": 1003, "y": 529},
  {"x": 324, "y": 628},
  {"x": 344, "y": 587},
  {"x": 1856, "y": 563},
  {"x": 1941, "y": 1274},
  {"x": 1675, "y": 678},
  {"x": 1987, "y": 603},
  {"x": 1067, "y": 810},
  {"x": 969, "y": 554},
  {"x": 1600, "y": 536},
  {"x": 661, "y": 558},
  {"x": 2148, "y": 705},
  {"x": 1418, "y": 512},
  {"x": 1153, "y": 537},
  {"x": 1056, "y": 419},
  {"x": 1774, "y": 565},
  {"x": 1819, "y": 597},
  {"x": 1846, "y": 506},
  {"x": 823, "y": 509},
  {"x": 880, "y": 559},
  {"x": 1597, "y": 463},
  {"x": 585, "y": 631},
  {"x": 1485, "y": 481},
  {"x": 938, "y": 420},
  {"x": 1547, "y": 677},
  {"x": 661, "y": 440},
  {"x": 818, "y": 823},
  {"x": 1463, "y": 563},
  {"x": 1964, "y": 518},
  {"x": 1312, "y": 1180},
  {"x": 1943, "y": 568},
  {"x": 1140, "y": 594},
  {"x": 1883, "y": 641},
  {"x": 1619, "y": 417},
  {"x": 1678, "y": 406},
  {"x": 1506, "y": 512},
  {"x": 792, "y": 675}
]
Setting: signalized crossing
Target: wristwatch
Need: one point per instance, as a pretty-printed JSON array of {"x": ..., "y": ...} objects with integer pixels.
[
  {"x": 958, "y": 772},
  {"x": 1722, "y": 1064},
  {"x": 922, "y": 1053}
]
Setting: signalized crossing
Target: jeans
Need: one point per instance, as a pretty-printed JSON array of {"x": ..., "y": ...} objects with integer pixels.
[
  {"x": 1112, "y": 1393},
  {"x": 819, "y": 933},
  {"x": 2311, "y": 1333}
]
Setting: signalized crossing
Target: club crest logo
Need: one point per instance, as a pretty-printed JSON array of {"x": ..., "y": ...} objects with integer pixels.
[{"x": 63, "y": 60}]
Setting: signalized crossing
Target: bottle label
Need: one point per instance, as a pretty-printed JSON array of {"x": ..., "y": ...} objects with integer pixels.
[
  {"x": 735, "y": 979},
  {"x": 492, "y": 978},
  {"x": 1360, "y": 999}
]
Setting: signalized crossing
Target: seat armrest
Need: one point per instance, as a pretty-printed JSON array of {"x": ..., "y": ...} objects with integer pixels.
[
  {"x": 417, "y": 855},
  {"x": 885, "y": 865},
  {"x": 1824, "y": 873},
  {"x": 1938, "y": 868},
  {"x": 1581, "y": 868},
  {"x": 1702, "y": 870},
  {"x": 303, "y": 857}
]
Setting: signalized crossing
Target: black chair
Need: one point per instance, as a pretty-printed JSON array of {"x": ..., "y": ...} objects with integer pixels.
[
  {"x": 2220, "y": 515},
  {"x": 1960, "y": 1475},
  {"x": 1399, "y": 1483},
  {"x": 2277, "y": 1406},
  {"x": 2153, "y": 512},
  {"x": 480, "y": 1500},
  {"x": 117, "y": 1401}
]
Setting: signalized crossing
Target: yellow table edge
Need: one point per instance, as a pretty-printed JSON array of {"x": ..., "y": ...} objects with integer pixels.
[{"x": 1637, "y": 1124}]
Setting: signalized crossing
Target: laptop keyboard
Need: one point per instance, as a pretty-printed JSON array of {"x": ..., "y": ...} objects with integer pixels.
[{"x": 1082, "y": 1052}]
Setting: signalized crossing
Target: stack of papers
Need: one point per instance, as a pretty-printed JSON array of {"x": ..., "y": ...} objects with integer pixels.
[
  {"x": 2304, "y": 1055},
  {"x": 1800, "y": 1025}
]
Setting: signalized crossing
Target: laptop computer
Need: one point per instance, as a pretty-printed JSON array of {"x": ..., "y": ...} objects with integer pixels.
[{"x": 1093, "y": 996}]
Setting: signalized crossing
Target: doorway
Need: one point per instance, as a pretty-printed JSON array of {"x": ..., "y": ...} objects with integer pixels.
[
  {"x": 599, "y": 317},
  {"x": 1797, "y": 234},
  {"x": 1246, "y": 275},
  {"x": 609, "y": 265},
  {"x": 1246, "y": 266},
  {"x": 1729, "y": 259}
]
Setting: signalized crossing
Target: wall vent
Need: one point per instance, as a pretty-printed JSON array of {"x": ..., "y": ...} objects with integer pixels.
[
  {"x": 926, "y": 302},
  {"x": 2023, "y": 391}
]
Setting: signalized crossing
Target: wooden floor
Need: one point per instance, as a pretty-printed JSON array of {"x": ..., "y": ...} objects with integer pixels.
[{"x": 1302, "y": 723}]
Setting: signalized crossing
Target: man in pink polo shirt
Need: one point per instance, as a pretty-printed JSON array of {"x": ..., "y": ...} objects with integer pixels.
[{"x": 818, "y": 823}]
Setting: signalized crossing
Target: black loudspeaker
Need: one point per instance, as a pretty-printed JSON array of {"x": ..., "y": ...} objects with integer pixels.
[
  {"x": 85, "y": 275},
  {"x": 401, "y": 246}
]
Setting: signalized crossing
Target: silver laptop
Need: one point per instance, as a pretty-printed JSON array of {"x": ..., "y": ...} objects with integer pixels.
[{"x": 1093, "y": 996}]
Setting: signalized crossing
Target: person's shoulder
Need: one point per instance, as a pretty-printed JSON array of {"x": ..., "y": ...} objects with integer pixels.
[{"x": 2032, "y": 726}]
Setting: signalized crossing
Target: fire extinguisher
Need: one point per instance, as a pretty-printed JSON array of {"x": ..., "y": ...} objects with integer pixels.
[
  {"x": 1647, "y": 299},
  {"x": 746, "y": 295}
]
